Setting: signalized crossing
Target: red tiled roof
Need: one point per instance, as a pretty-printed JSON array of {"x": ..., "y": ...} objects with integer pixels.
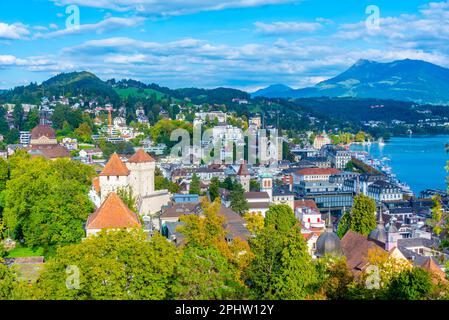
[
  {"x": 306, "y": 203},
  {"x": 243, "y": 170},
  {"x": 50, "y": 151},
  {"x": 355, "y": 248},
  {"x": 317, "y": 171},
  {"x": 113, "y": 214},
  {"x": 141, "y": 157},
  {"x": 115, "y": 167}
]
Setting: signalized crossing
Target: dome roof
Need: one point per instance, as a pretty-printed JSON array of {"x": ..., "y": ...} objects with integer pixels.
[
  {"x": 43, "y": 130},
  {"x": 378, "y": 234},
  {"x": 328, "y": 244}
]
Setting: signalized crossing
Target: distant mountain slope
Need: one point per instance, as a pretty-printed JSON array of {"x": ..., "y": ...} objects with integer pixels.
[
  {"x": 75, "y": 83},
  {"x": 273, "y": 91},
  {"x": 405, "y": 80}
]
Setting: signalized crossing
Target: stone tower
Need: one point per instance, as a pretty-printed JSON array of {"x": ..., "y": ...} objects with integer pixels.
[
  {"x": 244, "y": 177},
  {"x": 141, "y": 178},
  {"x": 113, "y": 177}
]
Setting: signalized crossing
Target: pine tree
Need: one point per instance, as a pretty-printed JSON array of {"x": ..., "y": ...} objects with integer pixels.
[
  {"x": 238, "y": 200},
  {"x": 213, "y": 189},
  {"x": 195, "y": 187}
]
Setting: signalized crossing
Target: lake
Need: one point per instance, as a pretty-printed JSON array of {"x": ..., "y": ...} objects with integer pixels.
[{"x": 418, "y": 161}]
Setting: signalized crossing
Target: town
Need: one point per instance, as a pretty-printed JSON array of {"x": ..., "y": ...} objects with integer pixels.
[{"x": 347, "y": 205}]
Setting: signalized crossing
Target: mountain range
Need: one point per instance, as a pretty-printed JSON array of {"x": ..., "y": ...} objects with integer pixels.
[{"x": 403, "y": 80}]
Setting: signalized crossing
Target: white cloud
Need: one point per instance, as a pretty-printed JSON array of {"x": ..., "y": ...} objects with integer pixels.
[
  {"x": 171, "y": 7},
  {"x": 280, "y": 27},
  {"x": 108, "y": 24},
  {"x": 14, "y": 31}
]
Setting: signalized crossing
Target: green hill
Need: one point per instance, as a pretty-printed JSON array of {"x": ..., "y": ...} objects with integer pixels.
[{"x": 67, "y": 84}]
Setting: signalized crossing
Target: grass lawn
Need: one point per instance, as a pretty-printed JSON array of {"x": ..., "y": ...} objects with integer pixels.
[{"x": 25, "y": 252}]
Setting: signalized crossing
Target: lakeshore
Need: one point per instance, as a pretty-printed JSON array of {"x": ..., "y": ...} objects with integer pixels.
[{"x": 418, "y": 161}]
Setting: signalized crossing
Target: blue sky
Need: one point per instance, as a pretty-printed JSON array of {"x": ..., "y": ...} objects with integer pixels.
[{"x": 246, "y": 44}]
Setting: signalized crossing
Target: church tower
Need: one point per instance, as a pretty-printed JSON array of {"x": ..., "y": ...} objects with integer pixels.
[
  {"x": 244, "y": 177},
  {"x": 141, "y": 178},
  {"x": 266, "y": 185}
]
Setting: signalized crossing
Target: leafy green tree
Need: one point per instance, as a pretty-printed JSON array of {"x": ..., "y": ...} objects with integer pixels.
[
  {"x": 238, "y": 201},
  {"x": 228, "y": 183},
  {"x": 32, "y": 119},
  {"x": 437, "y": 221},
  {"x": 18, "y": 116},
  {"x": 12, "y": 137},
  {"x": 363, "y": 215},
  {"x": 413, "y": 284},
  {"x": 84, "y": 132},
  {"x": 4, "y": 127},
  {"x": 211, "y": 267},
  {"x": 214, "y": 188},
  {"x": 344, "y": 225},
  {"x": 63, "y": 114},
  {"x": 336, "y": 279},
  {"x": 282, "y": 267},
  {"x": 254, "y": 185},
  {"x": 4, "y": 174},
  {"x": 205, "y": 274},
  {"x": 46, "y": 202},
  {"x": 281, "y": 217},
  {"x": 195, "y": 187},
  {"x": 127, "y": 197},
  {"x": 121, "y": 264}
]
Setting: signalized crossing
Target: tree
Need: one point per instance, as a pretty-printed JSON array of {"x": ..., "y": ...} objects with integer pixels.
[
  {"x": 127, "y": 197},
  {"x": 84, "y": 132},
  {"x": 363, "y": 215},
  {"x": 282, "y": 267},
  {"x": 387, "y": 265},
  {"x": 238, "y": 201},
  {"x": 254, "y": 185},
  {"x": 18, "y": 116},
  {"x": 46, "y": 202},
  {"x": 254, "y": 222},
  {"x": 344, "y": 225},
  {"x": 335, "y": 278},
  {"x": 121, "y": 264},
  {"x": 214, "y": 189},
  {"x": 413, "y": 284},
  {"x": 437, "y": 221},
  {"x": 360, "y": 137},
  {"x": 12, "y": 136},
  {"x": 211, "y": 267},
  {"x": 205, "y": 274},
  {"x": 195, "y": 187},
  {"x": 161, "y": 183},
  {"x": 281, "y": 217},
  {"x": 32, "y": 119}
]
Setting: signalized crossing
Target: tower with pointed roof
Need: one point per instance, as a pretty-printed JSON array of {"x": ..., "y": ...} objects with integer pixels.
[
  {"x": 141, "y": 178},
  {"x": 113, "y": 177},
  {"x": 393, "y": 236},
  {"x": 137, "y": 176},
  {"x": 244, "y": 177}
]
